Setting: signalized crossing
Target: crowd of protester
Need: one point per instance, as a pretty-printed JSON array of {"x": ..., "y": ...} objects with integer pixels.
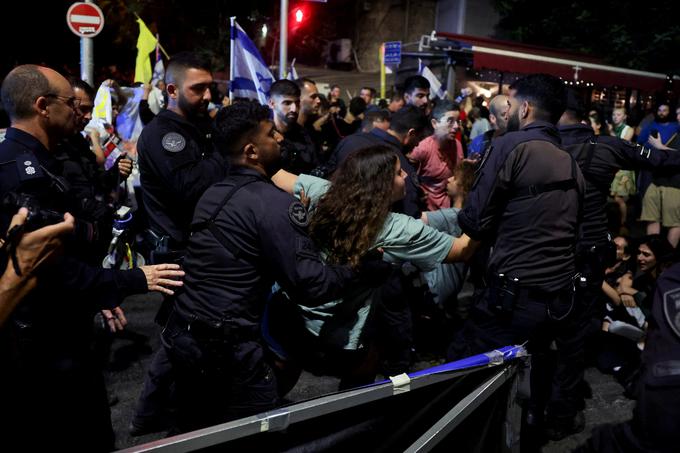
[{"x": 326, "y": 234}]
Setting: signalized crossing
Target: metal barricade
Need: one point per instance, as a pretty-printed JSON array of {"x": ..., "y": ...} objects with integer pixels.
[{"x": 442, "y": 400}]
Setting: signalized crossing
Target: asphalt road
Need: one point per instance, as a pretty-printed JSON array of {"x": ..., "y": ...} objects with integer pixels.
[{"x": 131, "y": 354}]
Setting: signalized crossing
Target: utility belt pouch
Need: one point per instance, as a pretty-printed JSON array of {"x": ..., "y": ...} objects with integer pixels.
[{"x": 504, "y": 293}]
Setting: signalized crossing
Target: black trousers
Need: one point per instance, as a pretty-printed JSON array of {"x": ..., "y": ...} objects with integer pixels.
[
  {"x": 539, "y": 319},
  {"x": 217, "y": 379}
]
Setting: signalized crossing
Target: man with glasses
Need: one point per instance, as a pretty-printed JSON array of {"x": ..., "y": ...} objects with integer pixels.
[
  {"x": 436, "y": 156},
  {"x": 48, "y": 372},
  {"x": 90, "y": 184}
]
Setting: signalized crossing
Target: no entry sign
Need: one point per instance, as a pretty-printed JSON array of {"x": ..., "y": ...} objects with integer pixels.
[{"x": 85, "y": 19}]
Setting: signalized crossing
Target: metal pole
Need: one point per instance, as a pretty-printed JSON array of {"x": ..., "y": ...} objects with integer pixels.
[
  {"x": 87, "y": 58},
  {"x": 381, "y": 54},
  {"x": 232, "y": 33},
  {"x": 462, "y": 11},
  {"x": 283, "y": 44}
]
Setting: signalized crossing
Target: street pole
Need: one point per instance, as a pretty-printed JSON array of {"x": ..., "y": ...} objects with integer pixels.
[
  {"x": 232, "y": 35},
  {"x": 283, "y": 44},
  {"x": 87, "y": 58},
  {"x": 381, "y": 53}
]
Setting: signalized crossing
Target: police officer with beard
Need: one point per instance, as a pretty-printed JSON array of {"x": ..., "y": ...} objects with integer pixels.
[
  {"x": 49, "y": 373},
  {"x": 298, "y": 151},
  {"x": 247, "y": 234},
  {"x": 179, "y": 156},
  {"x": 90, "y": 184},
  {"x": 525, "y": 203},
  {"x": 599, "y": 158}
]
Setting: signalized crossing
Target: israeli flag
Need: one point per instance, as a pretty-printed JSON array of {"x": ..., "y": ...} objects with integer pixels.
[
  {"x": 158, "y": 72},
  {"x": 251, "y": 77},
  {"x": 436, "y": 88},
  {"x": 292, "y": 74}
]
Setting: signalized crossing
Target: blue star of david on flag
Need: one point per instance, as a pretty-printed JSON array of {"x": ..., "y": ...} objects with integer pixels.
[{"x": 252, "y": 78}]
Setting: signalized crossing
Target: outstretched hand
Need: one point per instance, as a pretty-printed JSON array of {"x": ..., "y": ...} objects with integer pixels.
[{"x": 163, "y": 277}]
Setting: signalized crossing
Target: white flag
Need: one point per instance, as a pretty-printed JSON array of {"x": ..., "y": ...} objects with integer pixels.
[
  {"x": 102, "y": 104},
  {"x": 292, "y": 74},
  {"x": 435, "y": 84}
]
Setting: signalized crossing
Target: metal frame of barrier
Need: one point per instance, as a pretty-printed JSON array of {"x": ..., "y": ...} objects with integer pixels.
[{"x": 280, "y": 419}]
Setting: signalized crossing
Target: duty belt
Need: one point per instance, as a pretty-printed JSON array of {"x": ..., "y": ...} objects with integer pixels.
[{"x": 212, "y": 330}]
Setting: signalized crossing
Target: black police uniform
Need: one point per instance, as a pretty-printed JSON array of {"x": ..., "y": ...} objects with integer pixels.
[
  {"x": 247, "y": 234},
  {"x": 655, "y": 426},
  {"x": 525, "y": 202},
  {"x": 599, "y": 158},
  {"x": 412, "y": 204},
  {"x": 299, "y": 154},
  {"x": 178, "y": 161},
  {"x": 92, "y": 186},
  {"x": 49, "y": 378}
]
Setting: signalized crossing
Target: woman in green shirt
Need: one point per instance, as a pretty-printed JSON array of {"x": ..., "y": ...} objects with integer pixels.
[{"x": 350, "y": 217}]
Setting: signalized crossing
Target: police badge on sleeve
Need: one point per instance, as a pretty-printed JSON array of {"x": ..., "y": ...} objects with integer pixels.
[
  {"x": 671, "y": 310},
  {"x": 298, "y": 214},
  {"x": 173, "y": 142}
]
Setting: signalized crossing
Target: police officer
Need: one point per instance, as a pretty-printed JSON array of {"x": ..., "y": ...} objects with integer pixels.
[
  {"x": 655, "y": 426},
  {"x": 525, "y": 203},
  {"x": 179, "y": 156},
  {"x": 247, "y": 234},
  {"x": 298, "y": 151},
  {"x": 599, "y": 158},
  {"x": 408, "y": 127},
  {"x": 52, "y": 378},
  {"x": 90, "y": 184}
]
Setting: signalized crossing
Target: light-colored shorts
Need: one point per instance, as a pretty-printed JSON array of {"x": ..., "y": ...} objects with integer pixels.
[{"x": 661, "y": 204}]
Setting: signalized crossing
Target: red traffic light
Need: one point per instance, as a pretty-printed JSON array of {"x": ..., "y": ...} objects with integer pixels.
[{"x": 299, "y": 15}]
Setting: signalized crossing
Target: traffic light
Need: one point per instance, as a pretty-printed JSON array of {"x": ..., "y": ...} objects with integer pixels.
[{"x": 299, "y": 15}]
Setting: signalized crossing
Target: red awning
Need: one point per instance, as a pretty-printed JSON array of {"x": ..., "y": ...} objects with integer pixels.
[{"x": 505, "y": 56}]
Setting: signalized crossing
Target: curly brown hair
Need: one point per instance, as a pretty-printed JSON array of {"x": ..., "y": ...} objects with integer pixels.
[{"x": 350, "y": 215}]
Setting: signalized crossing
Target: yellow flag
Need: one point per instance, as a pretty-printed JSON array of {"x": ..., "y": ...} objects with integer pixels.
[{"x": 145, "y": 44}]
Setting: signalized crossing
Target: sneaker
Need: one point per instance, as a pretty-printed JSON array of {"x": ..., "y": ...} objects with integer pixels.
[{"x": 559, "y": 428}]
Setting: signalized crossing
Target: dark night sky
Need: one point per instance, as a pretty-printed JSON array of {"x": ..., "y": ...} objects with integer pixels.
[{"x": 45, "y": 38}]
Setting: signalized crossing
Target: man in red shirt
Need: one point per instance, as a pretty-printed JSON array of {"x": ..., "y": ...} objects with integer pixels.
[{"x": 436, "y": 156}]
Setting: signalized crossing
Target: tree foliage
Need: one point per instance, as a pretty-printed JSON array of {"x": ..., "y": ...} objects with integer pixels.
[{"x": 632, "y": 34}]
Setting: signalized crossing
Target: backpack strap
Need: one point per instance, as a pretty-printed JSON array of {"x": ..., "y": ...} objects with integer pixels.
[{"x": 210, "y": 223}]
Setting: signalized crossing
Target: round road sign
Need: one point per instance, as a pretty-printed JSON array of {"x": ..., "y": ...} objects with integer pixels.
[{"x": 85, "y": 19}]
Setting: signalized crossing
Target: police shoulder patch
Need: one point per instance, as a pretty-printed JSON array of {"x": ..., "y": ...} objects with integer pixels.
[
  {"x": 173, "y": 142},
  {"x": 671, "y": 310},
  {"x": 297, "y": 213}
]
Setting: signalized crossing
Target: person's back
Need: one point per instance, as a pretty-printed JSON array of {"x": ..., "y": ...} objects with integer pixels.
[
  {"x": 533, "y": 159},
  {"x": 246, "y": 235}
]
